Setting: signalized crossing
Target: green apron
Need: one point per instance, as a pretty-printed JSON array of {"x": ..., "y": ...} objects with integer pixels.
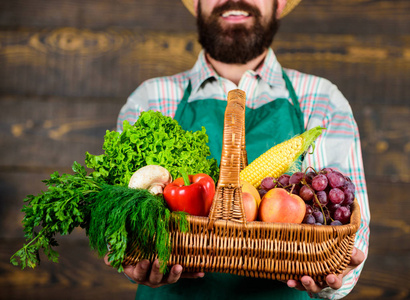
[{"x": 265, "y": 127}]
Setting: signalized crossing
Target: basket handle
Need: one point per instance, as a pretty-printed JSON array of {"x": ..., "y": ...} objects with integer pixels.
[{"x": 227, "y": 203}]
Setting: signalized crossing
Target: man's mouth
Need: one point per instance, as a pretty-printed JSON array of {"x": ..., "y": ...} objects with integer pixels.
[{"x": 235, "y": 14}]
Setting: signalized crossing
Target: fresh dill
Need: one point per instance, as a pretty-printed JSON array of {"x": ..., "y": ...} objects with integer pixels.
[{"x": 121, "y": 216}]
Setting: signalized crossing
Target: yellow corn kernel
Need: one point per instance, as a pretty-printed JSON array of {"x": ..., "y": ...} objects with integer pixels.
[{"x": 278, "y": 159}]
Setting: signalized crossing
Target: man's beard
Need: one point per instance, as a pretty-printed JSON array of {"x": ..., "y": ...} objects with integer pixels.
[{"x": 235, "y": 44}]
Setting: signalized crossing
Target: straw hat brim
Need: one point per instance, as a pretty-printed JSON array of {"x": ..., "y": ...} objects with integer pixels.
[{"x": 290, "y": 4}]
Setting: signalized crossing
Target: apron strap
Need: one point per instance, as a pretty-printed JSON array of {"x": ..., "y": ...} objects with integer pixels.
[
  {"x": 181, "y": 106},
  {"x": 187, "y": 91}
]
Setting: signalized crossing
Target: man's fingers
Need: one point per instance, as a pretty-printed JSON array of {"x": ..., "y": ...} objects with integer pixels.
[
  {"x": 309, "y": 285},
  {"x": 155, "y": 276},
  {"x": 357, "y": 258},
  {"x": 139, "y": 272},
  {"x": 106, "y": 260},
  {"x": 295, "y": 284},
  {"x": 174, "y": 274},
  {"x": 145, "y": 273},
  {"x": 334, "y": 281},
  {"x": 192, "y": 275}
]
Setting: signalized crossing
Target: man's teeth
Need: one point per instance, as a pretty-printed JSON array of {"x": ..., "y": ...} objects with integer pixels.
[{"x": 235, "y": 13}]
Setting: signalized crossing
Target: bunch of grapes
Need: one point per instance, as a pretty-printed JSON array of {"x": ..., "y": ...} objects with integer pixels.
[{"x": 328, "y": 194}]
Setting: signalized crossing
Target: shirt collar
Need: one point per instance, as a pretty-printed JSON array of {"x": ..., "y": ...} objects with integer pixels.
[
  {"x": 270, "y": 71},
  {"x": 201, "y": 72}
]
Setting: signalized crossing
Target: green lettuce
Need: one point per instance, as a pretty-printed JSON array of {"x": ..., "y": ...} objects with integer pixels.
[{"x": 153, "y": 140}]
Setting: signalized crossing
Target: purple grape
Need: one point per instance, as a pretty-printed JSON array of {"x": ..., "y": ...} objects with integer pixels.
[
  {"x": 294, "y": 189},
  {"x": 268, "y": 183},
  {"x": 318, "y": 217},
  {"x": 309, "y": 209},
  {"x": 317, "y": 223},
  {"x": 296, "y": 177},
  {"x": 306, "y": 193},
  {"x": 309, "y": 219},
  {"x": 333, "y": 207},
  {"x": 349, "y": 186},
  {"x": 309, "y": 176},
  {"x": 322, "y": 197},
  {"x": 349, "y": 198},
  {"x": 319, "y": 182},
  {"x": 336, "y": 179},
  {"x": 336, "y": 196},
  {"x": 327, "y": 217},
  {"x": 262, "y": 192},
  {"x": 326, "y": 170},
  {"x": 283, "y": 180},
  {"x": 342, "y": 214},
  {"x": 336, "y": 223}
]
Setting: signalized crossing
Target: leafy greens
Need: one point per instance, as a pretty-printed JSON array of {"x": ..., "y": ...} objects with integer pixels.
[
  {"x": 153, "y": 140},
  {"x": 104, "y": 206},
  {"x": 61, "y": 208}
]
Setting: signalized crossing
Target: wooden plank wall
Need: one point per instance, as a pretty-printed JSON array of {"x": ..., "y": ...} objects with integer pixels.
[{"x": 67, "y": 66}]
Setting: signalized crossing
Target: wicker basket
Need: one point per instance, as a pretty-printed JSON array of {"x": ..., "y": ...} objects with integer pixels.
[{"x": 225, "y": 242}]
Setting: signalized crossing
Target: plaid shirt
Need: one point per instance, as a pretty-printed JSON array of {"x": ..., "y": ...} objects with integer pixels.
[{"x": 320, "y": 101}]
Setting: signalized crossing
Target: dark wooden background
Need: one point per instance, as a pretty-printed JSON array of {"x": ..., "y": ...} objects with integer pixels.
[{"x": 67, "y": 66}]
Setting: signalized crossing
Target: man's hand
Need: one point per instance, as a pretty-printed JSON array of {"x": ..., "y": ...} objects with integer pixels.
[
  {"x": 145, "y": 274},
  {"x": 334, "y": 281}
]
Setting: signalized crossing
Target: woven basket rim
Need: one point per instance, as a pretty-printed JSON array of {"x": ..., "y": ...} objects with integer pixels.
[{"x": 353, "y": 225}]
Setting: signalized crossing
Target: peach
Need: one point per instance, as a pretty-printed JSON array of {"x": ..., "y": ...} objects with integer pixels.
[
  {"x": 278, "y": 205},
  {"x": 249, "y": 188},
  {"x": 250, "y": 206}
]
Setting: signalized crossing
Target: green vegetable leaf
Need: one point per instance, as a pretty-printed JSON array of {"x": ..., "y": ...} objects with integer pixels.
[
  {"x": 64, "y": 206},
  {"x": 153, "y": 140}
]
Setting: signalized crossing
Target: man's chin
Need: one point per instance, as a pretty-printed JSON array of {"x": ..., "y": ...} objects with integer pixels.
[
  {"x": 235, "y": 35},
  {"x": 226, "y": 27}
]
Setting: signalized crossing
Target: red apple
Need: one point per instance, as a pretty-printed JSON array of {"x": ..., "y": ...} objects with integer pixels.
[{"x": 278, "y": 205}]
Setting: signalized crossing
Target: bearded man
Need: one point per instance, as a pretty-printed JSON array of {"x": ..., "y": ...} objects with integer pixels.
[{"x": 236, "y": 37}]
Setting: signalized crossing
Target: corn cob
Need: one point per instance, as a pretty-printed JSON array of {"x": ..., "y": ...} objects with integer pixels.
[{"x": 278, "y": 159}]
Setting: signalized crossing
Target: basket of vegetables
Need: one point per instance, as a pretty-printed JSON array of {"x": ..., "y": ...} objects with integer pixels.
[{"x": 257, "y": 221}]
